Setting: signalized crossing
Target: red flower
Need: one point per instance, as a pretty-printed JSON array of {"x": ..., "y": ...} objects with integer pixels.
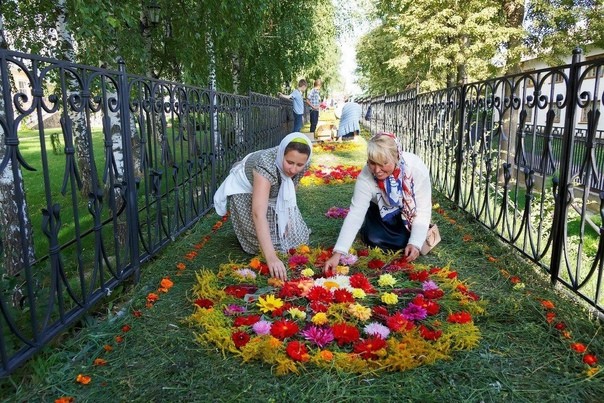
[
  {"x": 431, "y": 307},
  {"x": 397, "y": 322},
  {"x": 239, "y": 291},
  {"x": 282, "y": 329},
  {"x": 341, "y": 295},
  {"x": 452, "y": 275},
  {"x": 590, "y": 359},
  {"x": 245, "y": 320},
  {"x": 428, "y": 334},
  {"x": 420, "y": 276},
  {"x": 320, "y": 294},
  {"x": 289, "y": 290},
  {"x": 137, "y": 314},
  {"x": 549, "y": 317},
  {"x": 515, "y": 280},
  {"x": 344, "y": 333},
  {"x": 297, "y": 260},
  {"x": 280, "y": 311},
  {"x": 380, "y": 312},
  {"x": 375, "y": 264},
  {"x": 363, "y": 252},
  {"x": 560, "y": 326},
  {"x": 578, "y": 347},
  {"x": 460, "y": 317},
  {"x": 126, "y": 328},
  {"x": 297, "y": 351},
  {"x": 240, "y": 339},
  {"x": 204, "y": 303},
  {"x": 358, "y": 280},
  {"x": 434, "y": 294},
  {"x": 318, "y": 306},
  {"x": 367, "y": 348}
]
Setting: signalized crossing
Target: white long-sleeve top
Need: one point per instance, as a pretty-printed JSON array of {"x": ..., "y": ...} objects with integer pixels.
[{"x": 366, "y": 190}]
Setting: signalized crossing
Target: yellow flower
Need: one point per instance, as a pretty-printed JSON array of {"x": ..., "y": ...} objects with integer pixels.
[
  {"x": 307, "y": 272},
  {"x": 319, "y": 319},
  {"x": 359, "y": 311},
  {"x": 358, "y": 293},
  {"x": 389, "y": 298},
  {"x": 304, "y": 249},
  {"x": 296, "y": 313},
  {"x": 326, "y": 355},
  {"x": 386, "y": 280},
  {"x": 269, "y": 304},
  {"x": 343, "y": 270}
]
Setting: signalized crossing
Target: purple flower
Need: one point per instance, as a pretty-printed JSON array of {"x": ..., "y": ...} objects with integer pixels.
[
  {"x": 336, "y": 212},
  {"x": 348, "y": 260},
  {"x": 318, "y": 335},
  {"x": 377, "y": 329},
  {"x": 429, "y": 285},
  {"x": 233, "y": 310},
  {"x": 414, "y": 312},
  {"x": 262, "y": 327}
]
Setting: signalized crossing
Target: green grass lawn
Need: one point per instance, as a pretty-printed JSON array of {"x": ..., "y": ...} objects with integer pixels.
[{"x": 521, "y": 357}]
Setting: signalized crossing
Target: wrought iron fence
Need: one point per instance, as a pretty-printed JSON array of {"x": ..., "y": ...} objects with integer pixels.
[
  {"x": 524, "y": 155},
  {"x": 99, "y": 171}
]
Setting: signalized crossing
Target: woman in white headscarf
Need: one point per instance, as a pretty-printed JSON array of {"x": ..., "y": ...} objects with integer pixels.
[
  {"x": 392, "y": 202},
  {"x": 261, "y": 191}
]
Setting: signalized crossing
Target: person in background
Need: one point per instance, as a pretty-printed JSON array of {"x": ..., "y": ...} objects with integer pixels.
[
  {"x": 314, "y": 101},
  {"x": 297, "y": 98},
  {"x": 349, "y": 120},
  {"x": 391, "y": 203},
  {"x": 261, "y": 193}
]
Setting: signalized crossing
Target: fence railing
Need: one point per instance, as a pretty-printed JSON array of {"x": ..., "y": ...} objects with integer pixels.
[
  {"x": 524, "y": 155},
  {"x": 99, "y": 171}
]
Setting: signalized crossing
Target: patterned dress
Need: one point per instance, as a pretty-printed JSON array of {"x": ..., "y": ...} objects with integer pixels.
[{"x": 297, "y": 233}]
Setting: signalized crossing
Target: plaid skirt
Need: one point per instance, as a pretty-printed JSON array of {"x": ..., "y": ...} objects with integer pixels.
[{"x": 240, "y": 206}]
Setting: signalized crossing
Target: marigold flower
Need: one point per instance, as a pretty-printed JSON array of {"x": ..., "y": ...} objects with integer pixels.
[
  {"x": 255, "y": 263},
  {"x": 515, "y": 280},
  {"x": 99, "y": 362},
  {"x": 119, "y": 339},
  {"x": 107, "y": 348},
  {"x": 550, "y": 316},
  {"x": 492, "y": 259},
  {"x": 304, "y": 249},
  {"x": 165, "y": 284},
  {"x": 83, "y": 379},
  {"x": 389, "y": 298},
  {"x": 578, "y": 347},
  {"x": 320, "y": 318},
  {"x": 65, "y": 399},
  {"x": 269, "y": 303},
  {"x": 386, "y": 280},
  {"x": 326, "y": 355},
  {"x": 275, "y": 282},
  {"x": 467, "y": 237},
  {"x": 359, "y": 311},
  {"x": 181, "y": 266}
]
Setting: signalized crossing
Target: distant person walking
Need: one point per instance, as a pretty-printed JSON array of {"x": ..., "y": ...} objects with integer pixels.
[
  {"x": 314, "y": 101},
  {"x": 298, "y": 103}
]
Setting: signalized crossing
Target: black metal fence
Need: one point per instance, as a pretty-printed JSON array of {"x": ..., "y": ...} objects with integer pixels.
[
  {"x": 99, "y": 171},
  {"x": 524, "y": 155}
]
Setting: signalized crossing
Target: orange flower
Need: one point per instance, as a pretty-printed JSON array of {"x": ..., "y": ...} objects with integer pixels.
[
  {"x": 549, "y": 317},
  {"x": 515, "y": 280},
  {"x": 590, "y": 359},
  {"x": 65, "y": 399},
  {"x": 107, "y": 347},
  {"x": 217, "y": 226},
  {"x": 119, "y": 339},
  {"x": 181, "y": 266},
  {"x": 492, "y": 259},
  {"x": 99, "y": 362},
  {"x": 255, "y": 263},
  {"x": 467, "y": 237},
  {"x": 191, "y": 255},
  {"x": 126, "y": 328},
  {"x": 165, "y": 284},
  {"x": 326, "y": 355},
  {"x": 83, "y": 379},
  {"x": 151, "y": 299},
  {"x": 547, "y": 304},
  {"x": 275, "y": 282},
  {"x": 578, "y": 347}
]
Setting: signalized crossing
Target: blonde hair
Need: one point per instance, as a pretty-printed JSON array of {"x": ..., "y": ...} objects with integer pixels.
[{"x": 382, "y": 149}]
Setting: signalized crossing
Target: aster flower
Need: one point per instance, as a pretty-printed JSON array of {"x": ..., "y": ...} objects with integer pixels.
[
  {"x": 414, "y": 312},
  {"x": 262, "y": 327},
  {"x": 321, "y": 336},
  {"x": 377, "y": 329}
]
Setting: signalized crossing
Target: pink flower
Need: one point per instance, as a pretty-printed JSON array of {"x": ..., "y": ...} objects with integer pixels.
[
  {"x": 321, "y": 336},
  {"x": 297, "y": 260},
  {"x": 414, "y": 312},
  {"x": 336, "y": 212},
  {"x": 262, "y": 327},
  {"x": 429, "y": 285},
  {"x": 348, "y": 260},
  {"x": 377, "y": 329},
  {"x": 233, "y": 309}
]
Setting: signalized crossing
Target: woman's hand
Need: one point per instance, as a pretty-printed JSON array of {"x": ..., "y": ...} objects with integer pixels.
[
  {"x": 331, "y": 265},
  {"x": 411, "y": 252},
  {"x": 277, "y": 268}
]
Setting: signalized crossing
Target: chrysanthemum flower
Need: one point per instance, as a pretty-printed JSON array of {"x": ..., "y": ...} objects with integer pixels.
[
  {"x": 341, "y": 296},
  {"x": 240, "y": 339},
  {"x": 297, "y": 351},
  {"x": 359, "y": 311},
  {"x": 282, "y": 329},
  {"x": 269, "y": 303},
  {"x": 348, "y": 259},
  {"x": 389, "y": 298},
  {"x": 343, "y": 270},
  {"x": 320, "y": 318},
  {"x": 358, "y": 293},
  {"x": 414, "y": 312},
  {"x": 367, "y": 348},
  {"x": 345, "y": 333},
  {"x": 377, "y": 329},
  {"x": 386, "y": 280},
  {"x": 307, "y": 272},
  {"x": 262, "y": 327},
  {"x": 321, "y": 336}
]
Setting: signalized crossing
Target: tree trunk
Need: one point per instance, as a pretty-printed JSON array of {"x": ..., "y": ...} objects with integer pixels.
[
  {"x": 13, "y": 239},
  {"x": 81, "y": 138},
  {"x": 214, "y": 100},
  {"x": 238, "y": 115}
]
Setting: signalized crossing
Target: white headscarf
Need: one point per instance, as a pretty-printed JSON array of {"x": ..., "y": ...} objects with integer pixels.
[{"x": 286, "y": 199}]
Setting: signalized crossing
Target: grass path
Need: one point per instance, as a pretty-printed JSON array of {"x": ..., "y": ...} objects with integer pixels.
[{"x": 525, "y": 354}]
